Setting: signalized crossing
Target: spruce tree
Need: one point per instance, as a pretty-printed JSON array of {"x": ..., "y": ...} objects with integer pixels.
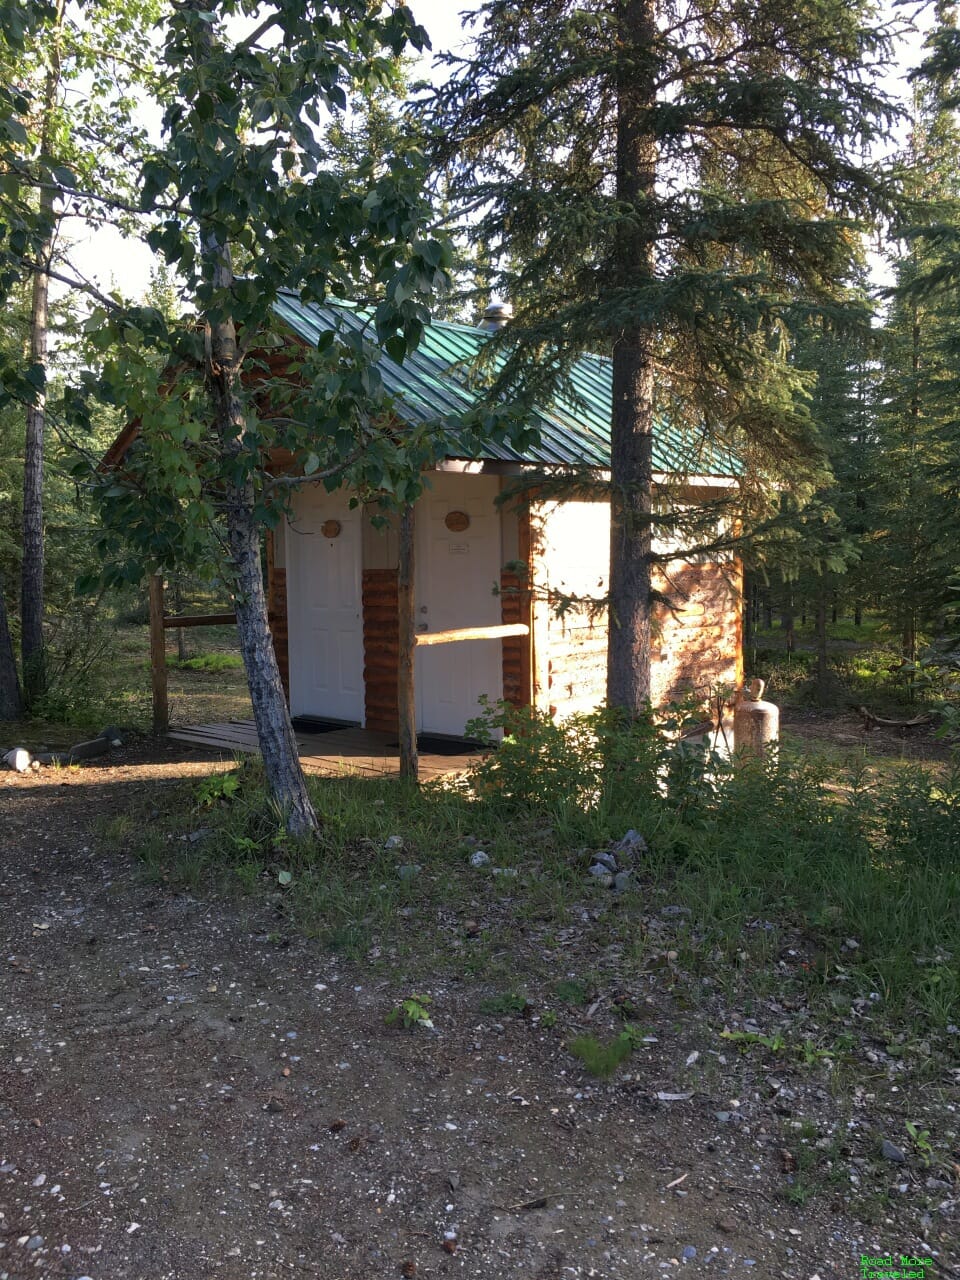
[
  {"x": 676, "y": 181},
  {"x": 918, "y": 535}
]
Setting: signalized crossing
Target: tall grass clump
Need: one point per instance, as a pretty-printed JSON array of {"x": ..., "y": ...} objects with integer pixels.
[{"x": 866, "y": 869}]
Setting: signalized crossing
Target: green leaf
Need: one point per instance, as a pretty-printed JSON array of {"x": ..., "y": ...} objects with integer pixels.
[{"x": 396, "y": 347}]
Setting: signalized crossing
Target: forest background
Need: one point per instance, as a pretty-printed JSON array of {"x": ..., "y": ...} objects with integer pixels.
[{"x": 852, "y": 571}]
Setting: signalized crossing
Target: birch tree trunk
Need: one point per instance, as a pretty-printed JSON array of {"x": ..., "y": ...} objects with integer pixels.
[
  {"x": 32, "y": 566},
  {"x": 631, "y": 426},
  {"x": 278, "y": 744}
]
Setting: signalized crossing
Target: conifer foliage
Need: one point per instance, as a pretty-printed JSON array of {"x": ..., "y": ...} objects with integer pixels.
[{"x": 675, "y": 182}]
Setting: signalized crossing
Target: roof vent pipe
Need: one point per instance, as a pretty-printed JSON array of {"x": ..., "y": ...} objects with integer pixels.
[{"x": 496, "y": 316}]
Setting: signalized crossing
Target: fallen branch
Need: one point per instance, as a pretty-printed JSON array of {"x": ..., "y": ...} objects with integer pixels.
[{"x": 871, "y": 721}]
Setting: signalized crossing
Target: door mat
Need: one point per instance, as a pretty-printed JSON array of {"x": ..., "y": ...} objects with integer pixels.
[
  {"x": 317, "y": 724},
  {"x": 437, "y": 745}
]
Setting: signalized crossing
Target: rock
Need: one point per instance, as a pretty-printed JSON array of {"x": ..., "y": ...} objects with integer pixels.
[
  {"x": 605, "y": 859},
  {"x": 18, "y": 759},
  {"x": 393, "y": 843},
  {"x": 632, "y": 843},
  {"x": 689, "y": 1253},
  {"x": 599, "y": 875},
  {"x": 674, "y": 911},
  {"x": 727, "y": 1224},
  {"x": 622, "y": 881},
  {"x": 724, "y": 1116},
  {"x": 35, "y": 1243},
  {"x": 890, "y": 1151},
  {"x": 509, "y": 872},
  {"x": 409, "y": 870},
  {"x": 479, "y": 859}
]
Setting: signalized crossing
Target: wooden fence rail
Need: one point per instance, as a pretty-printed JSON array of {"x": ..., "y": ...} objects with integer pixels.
[{"x": 160, "y": 623}]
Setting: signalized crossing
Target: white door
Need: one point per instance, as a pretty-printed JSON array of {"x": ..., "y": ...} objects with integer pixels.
[
  {"x": 456, "y": 573},
  {"x": 323, "y": 545}
]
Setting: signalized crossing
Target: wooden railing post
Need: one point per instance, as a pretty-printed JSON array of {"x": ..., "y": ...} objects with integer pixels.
[
  {"x": 158, "y": 656},
  {"x": 406, "y": 690}
]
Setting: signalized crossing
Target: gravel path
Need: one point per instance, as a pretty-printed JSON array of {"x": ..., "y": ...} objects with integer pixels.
[{"x": 181, "y": 1097}]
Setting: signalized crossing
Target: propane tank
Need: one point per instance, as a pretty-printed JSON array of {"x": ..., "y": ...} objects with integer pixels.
[{"x": 756, "y": 724}]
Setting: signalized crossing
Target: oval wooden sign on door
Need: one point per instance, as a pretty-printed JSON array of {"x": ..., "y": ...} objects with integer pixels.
[
  {"x": 457, "y": 521},
  {"x": 330, "y": 528}
]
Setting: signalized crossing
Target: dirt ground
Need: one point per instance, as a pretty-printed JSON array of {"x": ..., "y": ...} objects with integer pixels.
[{"x": 185, "y": 1096}]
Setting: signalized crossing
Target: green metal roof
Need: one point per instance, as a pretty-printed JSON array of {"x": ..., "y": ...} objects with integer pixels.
[{"x": 432, "y": 383}]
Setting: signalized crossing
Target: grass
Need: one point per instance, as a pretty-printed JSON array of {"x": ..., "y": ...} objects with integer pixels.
[
  {"x": 209, "y": 663},
  {"x": 855, "y": 879},
  {"x": 601, "y": 1059},
  {"x": 821, "y": 849}
]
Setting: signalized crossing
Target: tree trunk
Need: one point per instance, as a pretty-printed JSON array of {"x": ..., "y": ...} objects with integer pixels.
[
  {"x": 823, "y": 669},
  {"x": 787, "y": 619},
  {"x": 11, "y": 706},
  {"x": 748, "y": 617},
  {"x": 406, "y": 685},
  {"x": 178, "y": 610},
  {"x": 631, "y": 425},
  {"x": 278, "y": 745},
  {"x": 158, "y": 657},
  {"x": 32, "y": 567}
]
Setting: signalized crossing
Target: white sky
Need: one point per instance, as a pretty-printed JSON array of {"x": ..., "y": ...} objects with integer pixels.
[{"x": 112, "y": 262}]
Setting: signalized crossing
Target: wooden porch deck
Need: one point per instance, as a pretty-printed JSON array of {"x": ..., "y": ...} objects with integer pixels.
[{"x": 334, "y": 754}]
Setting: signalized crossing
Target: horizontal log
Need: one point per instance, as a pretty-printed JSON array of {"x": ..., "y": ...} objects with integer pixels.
[
  {"x": 472, "y": 633},
  {"x": 199, "y": 620},
  {"x": 382, "y": 694},
  {"x": 381, "y": 659},
  {"x": 384, "y": 724}
]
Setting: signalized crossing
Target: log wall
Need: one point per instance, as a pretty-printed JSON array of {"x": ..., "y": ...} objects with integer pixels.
[
  {"x": 381, "y": 648},
  {"x": 697, "y": 641},
  {"x": 515, "y": 607},
  {"x": 698, "y": 644},
  {"x": 570, "y": 554}
]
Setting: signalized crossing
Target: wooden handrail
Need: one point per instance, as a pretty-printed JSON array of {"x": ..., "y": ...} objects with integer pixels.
[
  {"x": 198, "y": 620},
  {"x": 473, "y": 633}
]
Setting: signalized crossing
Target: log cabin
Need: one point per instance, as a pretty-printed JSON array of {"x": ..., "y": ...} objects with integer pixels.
[{"x": 491, "y": 568}]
